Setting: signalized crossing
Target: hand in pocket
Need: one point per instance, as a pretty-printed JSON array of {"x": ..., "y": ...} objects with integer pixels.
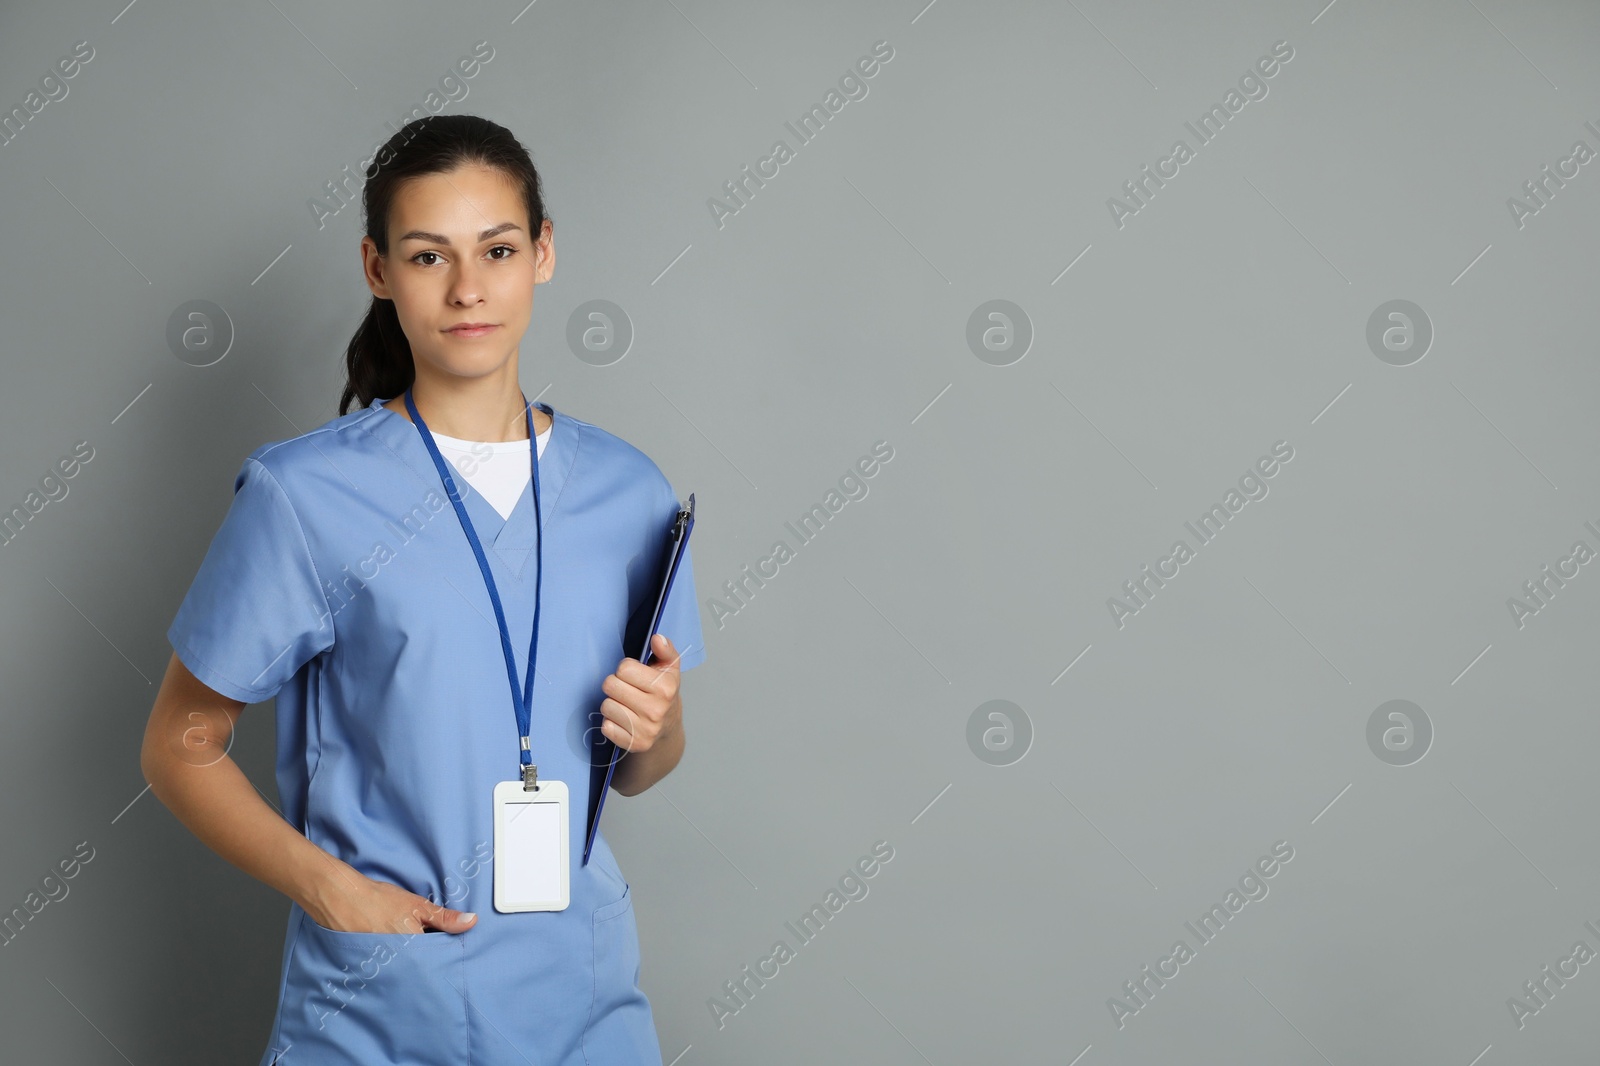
[{"x": 354, "y": 903}]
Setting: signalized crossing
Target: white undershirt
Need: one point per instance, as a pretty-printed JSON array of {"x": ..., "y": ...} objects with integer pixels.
[{"x": 498, "y": 469}]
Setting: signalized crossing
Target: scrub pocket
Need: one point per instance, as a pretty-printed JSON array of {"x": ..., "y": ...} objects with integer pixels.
[
  {"x": 620, "y": 1028},
  {"x": 374, "y": 998}
]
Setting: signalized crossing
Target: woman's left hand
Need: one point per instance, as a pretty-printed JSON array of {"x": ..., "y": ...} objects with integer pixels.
[{"x": 642, "y": 703}]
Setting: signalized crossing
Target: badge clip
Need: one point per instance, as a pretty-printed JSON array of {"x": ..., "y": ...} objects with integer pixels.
[{"x": 530, "y": 778}]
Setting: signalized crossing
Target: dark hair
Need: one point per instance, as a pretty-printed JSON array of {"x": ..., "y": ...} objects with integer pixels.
[{"x": 378, "y": 361}]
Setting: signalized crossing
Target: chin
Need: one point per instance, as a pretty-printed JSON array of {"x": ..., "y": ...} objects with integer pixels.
[{"x": 469, "y": 368}]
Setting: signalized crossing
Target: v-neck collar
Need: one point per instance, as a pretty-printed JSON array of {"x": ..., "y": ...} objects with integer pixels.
[{"x": 512, "y": 538}]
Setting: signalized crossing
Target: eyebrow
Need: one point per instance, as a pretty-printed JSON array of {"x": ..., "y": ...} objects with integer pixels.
[{"x": 439, "y": 238}]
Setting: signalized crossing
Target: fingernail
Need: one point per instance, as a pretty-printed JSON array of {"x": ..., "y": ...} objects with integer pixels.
[{"x": 470, "y": 916}]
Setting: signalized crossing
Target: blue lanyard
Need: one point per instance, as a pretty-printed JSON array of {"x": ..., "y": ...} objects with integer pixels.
[{"x": 521, "y": 699}]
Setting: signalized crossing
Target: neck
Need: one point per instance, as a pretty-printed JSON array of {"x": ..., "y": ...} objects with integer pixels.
[{"x": 487, "y": 408}]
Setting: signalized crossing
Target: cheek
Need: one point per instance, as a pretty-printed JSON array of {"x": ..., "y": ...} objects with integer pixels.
[
  {"x": 513, "y": 295},
  {"x": 414, "y": 302}
]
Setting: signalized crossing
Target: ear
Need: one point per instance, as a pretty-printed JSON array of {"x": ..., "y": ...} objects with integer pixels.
[
  {"x": 372, "y": 268},
  {"x": 545, "y": 252}
]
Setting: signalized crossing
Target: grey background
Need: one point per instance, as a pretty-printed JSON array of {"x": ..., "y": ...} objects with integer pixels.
[{"x": 829, "y": 313}]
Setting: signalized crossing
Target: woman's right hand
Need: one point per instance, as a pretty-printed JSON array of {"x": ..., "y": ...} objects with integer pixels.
[
  {"x": 355, "y": 903},
  {"x": 185, "y": 759}
]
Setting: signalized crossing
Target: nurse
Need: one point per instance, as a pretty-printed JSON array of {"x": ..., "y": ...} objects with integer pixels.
[{"x": 440, "y": 588}]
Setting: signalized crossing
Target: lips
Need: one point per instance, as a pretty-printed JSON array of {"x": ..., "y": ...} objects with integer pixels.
[{"x": 471, "y": 328}]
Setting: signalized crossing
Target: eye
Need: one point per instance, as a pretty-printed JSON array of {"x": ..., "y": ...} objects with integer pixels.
[{"x": 508, "y": 249}]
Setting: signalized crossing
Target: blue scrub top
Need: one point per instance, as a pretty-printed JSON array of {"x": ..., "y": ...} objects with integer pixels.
[{"x": 341, "y": 583}]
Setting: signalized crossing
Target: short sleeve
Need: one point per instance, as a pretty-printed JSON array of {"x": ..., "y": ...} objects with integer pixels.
[
  {"x": 680, "y": 619},
  {"x": 255, "y": 612}
]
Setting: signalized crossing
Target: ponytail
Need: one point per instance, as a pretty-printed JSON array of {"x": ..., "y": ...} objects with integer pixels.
[{"x": 378, "y": 359}]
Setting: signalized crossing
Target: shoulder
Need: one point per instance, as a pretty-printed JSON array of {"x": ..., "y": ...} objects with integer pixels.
[
  {"x": 601, "y": 449},
  {"x": 291, "y": 461}
]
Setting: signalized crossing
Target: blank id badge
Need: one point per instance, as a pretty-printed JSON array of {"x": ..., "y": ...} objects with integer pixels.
[{"x": 530, "y": 847}]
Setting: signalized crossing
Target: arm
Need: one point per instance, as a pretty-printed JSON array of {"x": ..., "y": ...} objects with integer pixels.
[
  {"x": 184, "y": 757},
  {"x": 644, "y": 717}
]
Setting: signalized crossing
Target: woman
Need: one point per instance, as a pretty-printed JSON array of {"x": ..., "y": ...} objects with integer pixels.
[{"x": 395, "y": 626}]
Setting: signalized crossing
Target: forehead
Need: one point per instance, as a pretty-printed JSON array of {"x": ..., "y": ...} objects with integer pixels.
[{"x": 459, "y": 203}]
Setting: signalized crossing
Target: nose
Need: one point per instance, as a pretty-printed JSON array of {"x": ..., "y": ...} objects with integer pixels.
[{"x": 466, "y": 284}]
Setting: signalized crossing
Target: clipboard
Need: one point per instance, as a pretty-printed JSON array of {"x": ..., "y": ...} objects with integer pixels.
[{"x": 602, "y": 768}]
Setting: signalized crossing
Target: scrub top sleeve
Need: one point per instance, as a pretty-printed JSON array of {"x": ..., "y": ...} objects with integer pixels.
[
  {"x": 255, "y": 612},
  {"x": 680, "y": 619}
]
